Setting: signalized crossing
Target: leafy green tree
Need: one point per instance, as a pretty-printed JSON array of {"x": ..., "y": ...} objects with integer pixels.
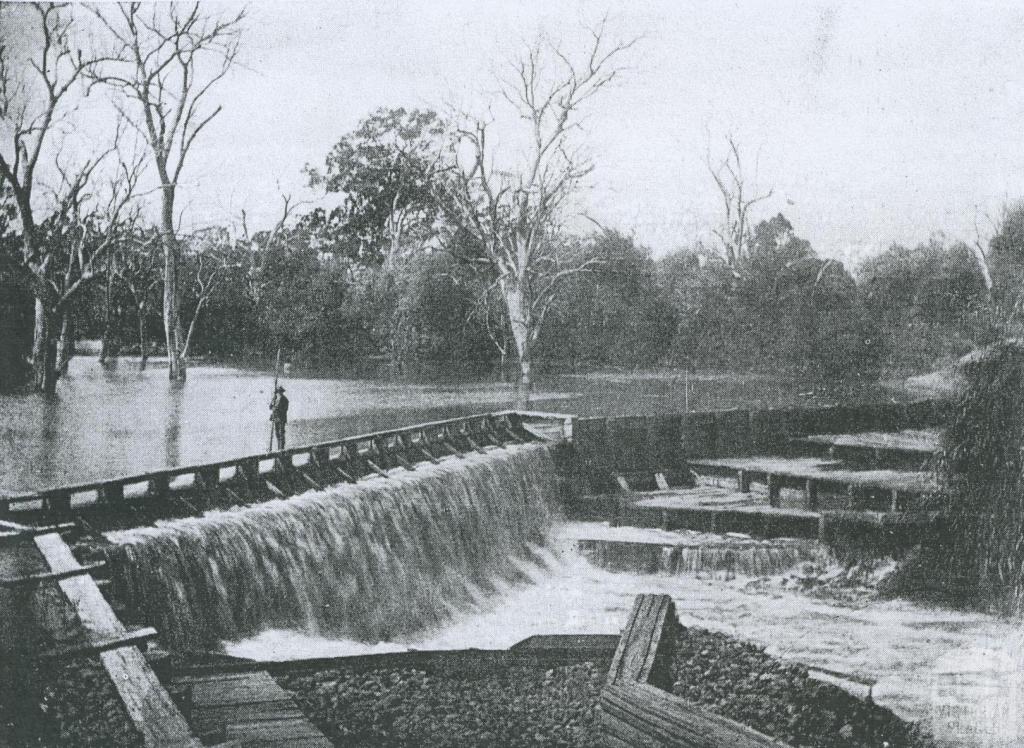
[
  {"x": 927, "y": 303},
  {"x": 385, "y": 170},
  {"x": 614, "y": 315}
]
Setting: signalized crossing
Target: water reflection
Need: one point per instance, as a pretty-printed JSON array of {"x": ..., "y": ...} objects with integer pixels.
[{"x": 172, "y": 428}]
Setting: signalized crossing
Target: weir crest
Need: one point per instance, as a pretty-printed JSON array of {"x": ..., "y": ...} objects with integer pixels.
[{"x": 369, "y": 561}]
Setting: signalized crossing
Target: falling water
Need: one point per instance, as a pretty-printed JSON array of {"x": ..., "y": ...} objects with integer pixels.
[
  {"x": 367, "y": 561},
  {"x": 716, "y": 557}
]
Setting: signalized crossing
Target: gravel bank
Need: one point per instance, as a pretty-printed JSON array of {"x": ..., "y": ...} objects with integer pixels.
[
  {"x": 512, "y": 706},
  {"x": 739, "y": 681}
]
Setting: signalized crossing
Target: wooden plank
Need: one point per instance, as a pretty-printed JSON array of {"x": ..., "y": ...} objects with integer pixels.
[
  {"x": 642, "y": 715},
  {"x": 274, "y": 732},
  {"x": 213, "y": 719},
  {"x": 651, "y": 618},
  {"x": 661, "y": 481},
  {"x": 19, "y": 536},
  {"x": 376, "y": 468},
  {"x": 149, "y": 706},
  {"x": 274, "y": 489},
  {"x": 343, "y": 475},
  {"x": 622, "y": 482},
  {"x": 309, "y": 480},
  {"x": 254, "y": 687},
  {"x": 34, "y": 580},
  {"x": 130, "y": 639},
  {"x": 403, "y": 462}
]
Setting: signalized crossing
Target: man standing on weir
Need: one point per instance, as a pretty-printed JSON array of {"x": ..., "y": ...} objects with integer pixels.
[{"x": 279, "y": 415}]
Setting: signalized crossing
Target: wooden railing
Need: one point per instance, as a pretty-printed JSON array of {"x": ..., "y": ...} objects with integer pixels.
[
  {"x": 348, "y": 458},
  {"x": 637, "y": 708}
]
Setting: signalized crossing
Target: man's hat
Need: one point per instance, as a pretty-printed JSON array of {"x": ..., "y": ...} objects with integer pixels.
[{"x": 280, "y": 388}]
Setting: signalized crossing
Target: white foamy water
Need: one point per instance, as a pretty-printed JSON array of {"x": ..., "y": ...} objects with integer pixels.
[{"x": 942, "y": 667}]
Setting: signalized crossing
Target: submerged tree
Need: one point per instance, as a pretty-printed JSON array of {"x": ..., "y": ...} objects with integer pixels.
[
  {"x": 164, "y": 62},
  {"x": 36, "y": 92},
  {"x": 514, "y": 214}
]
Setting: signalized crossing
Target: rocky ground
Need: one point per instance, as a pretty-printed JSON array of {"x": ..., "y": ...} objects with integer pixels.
[
  {"x": 83, "y": 709},
  {"x": 512, "y": 706},
  {"x": 739, "y": 681},
  {"x": 520, "y": 705}
]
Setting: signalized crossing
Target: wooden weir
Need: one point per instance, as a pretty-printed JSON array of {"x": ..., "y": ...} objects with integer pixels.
[
  {"x": 287, "y": 471},
  {"x": 51, "y": 608}
]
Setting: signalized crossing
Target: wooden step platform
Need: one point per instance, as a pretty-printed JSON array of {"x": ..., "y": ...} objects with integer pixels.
[
  {"x": 813, "y": 475},
  {"x": 246, "y": 709},
  {"x": 908, "y": 448},
  {"x": 718, "y": 510}
]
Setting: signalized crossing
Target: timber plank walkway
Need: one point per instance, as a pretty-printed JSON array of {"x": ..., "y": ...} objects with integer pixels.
[
  {"x": 247, "y": 709},
  {"x": 910, "y": 448},
  {"x": 812, "y": 474},
  {"x": 917, "y": 441}
]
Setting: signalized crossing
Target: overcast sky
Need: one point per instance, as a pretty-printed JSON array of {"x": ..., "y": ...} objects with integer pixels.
[{"x": 873, "y": 122}]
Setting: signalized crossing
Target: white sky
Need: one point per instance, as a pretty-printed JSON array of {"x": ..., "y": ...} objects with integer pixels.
[{"x": 874, "y": 122}]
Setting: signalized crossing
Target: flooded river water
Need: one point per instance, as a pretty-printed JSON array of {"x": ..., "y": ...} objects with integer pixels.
[{"x": 121, "y": 421}]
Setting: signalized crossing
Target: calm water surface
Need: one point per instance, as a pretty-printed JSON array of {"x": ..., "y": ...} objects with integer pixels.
[{"x": 115, "y": 421}]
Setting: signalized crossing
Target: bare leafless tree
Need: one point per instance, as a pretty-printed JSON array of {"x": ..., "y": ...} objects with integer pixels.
[
  {"x": 165, "y": 60},
  {"x": 738, "y": 197},
  {"x": 137, "y": 268},
  {"x": 986, "y": 226},
  {"x": 514, "y": 215},
  {"x": 212, "y": 261},
  {"x": 92, "y": 217},
  {"x": 37, "y": 93}
]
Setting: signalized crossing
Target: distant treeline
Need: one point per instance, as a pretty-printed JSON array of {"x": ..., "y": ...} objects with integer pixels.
[{"x": 431, "y": 314}]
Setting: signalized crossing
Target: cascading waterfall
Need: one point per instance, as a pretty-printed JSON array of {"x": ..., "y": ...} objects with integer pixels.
[
  {"x": 367, "y": 561},
  {"x": 717, "y": 558}
]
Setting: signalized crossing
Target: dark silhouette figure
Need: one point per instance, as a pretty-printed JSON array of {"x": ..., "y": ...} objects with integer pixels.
[{"x": 279, "y": 415}]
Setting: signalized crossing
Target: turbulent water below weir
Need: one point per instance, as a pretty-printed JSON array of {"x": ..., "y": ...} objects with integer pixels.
[{"x": 369, "y": 561}]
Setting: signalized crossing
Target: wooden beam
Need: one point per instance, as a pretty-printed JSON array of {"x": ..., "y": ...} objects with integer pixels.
[
  {"x": 811, "y": 494},
  {"x": 305, "y": 476},
  {"x": 34, "y": 580},
  {"x": 376, "y": 468},
  {"x": 129, "y": 639},
  {"x": 651, "y": 620},
  {"x": 33, "y": 532},
  {"x": 661, "y": 481},
  {"x": 429, "y": 456},
  {"x": 404, "y": 462},
  {"x": 148, "y": 704},
  {"x": 342, "y": 474},
  {"x": 233, "y": 495},
  {"x": 774, "y": 485},
  {"x": 274, "y": 489}
]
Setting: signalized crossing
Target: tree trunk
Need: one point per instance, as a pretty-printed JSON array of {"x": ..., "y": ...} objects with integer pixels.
[
  {"x": 108, "y": 314},
  {"x": 191, "y": 329},
  {"x": 143, "y": 352},
  {"x": 172, "y": 325},
  {"x": 520, "y": 321},
  {"x": 66, "y": 345},
  {"x": 44, "y": 350}
]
